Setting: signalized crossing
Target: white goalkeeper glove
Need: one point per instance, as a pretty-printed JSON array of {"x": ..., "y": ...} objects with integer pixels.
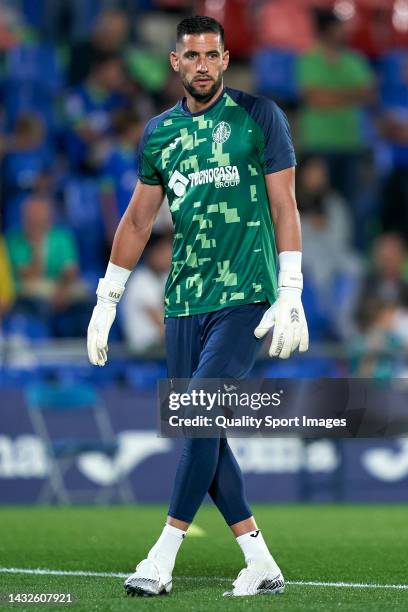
[
  {"x": 110, "y": 290},
  {"x": 286, "y": 316}
]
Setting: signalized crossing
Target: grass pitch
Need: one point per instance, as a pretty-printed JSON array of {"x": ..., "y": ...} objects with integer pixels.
[{"x": 325, "y": 544}]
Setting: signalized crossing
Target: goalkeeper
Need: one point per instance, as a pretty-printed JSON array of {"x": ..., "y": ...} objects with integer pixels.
[{"x": 225, "y": 160}]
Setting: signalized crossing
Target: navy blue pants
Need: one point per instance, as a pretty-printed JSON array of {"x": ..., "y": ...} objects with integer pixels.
[{"x": 212, "y": 345}]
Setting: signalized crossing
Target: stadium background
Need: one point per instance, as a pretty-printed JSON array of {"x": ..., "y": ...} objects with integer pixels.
[{"x": 78, "y": 80}]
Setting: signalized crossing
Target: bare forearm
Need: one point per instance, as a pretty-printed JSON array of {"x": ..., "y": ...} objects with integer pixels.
[
  {"x": 281, "y": 193},
  {"x": 333, "y": 98},
  {"x": 360, "y": 95},
  {"x": 129, "y": 243},
  {"x": 287, "y": 229}
]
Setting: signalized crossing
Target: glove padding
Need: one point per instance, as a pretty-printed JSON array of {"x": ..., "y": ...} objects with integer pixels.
[
  {"x": 101, "y": 321},
  {"x": 288, "y": 319},
  {"x": 98, "y": 331}
]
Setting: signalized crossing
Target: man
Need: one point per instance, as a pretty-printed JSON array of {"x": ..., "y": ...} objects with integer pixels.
[
  {"x": 90, "y": 108},
  {"x": 225, "y": 160},
  {"x": 394, "y": 129},
  {"x": 110, "y": 35},
  {"x": 119, "y": 169},
  {"x": 26, "y": 167},
  {"x": 143, "y": 301},
  {"x": 336, "y": 85},
  {"x": 45, "y": 266}
]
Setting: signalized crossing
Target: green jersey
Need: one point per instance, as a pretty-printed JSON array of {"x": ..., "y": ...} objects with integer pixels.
[{"x": 211, "y": 165}]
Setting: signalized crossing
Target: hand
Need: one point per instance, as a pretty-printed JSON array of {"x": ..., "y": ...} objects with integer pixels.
[
  {"x": 287, "y": 317},
  {"x": 98, "y": 331},
  {"x": 102, "y": 318}
]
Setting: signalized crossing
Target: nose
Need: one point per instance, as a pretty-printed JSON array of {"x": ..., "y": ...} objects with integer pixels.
[{"x": 202, "y": 65}]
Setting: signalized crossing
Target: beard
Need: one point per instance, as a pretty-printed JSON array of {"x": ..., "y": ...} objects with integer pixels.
[{"x": 197, "y": 94}]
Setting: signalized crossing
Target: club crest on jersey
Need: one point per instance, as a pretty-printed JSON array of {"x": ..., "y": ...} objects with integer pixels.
[{"x": 221, "y": 132}]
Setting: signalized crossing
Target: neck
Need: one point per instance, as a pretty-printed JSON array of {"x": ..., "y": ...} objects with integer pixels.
[
  {"x": 195, "y": 106},
  {"x": 330, "y": 50}
]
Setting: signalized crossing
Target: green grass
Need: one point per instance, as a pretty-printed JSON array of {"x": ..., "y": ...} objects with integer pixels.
[{"x": 366, "y": 544}]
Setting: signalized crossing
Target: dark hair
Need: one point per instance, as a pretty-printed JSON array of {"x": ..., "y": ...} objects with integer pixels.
[
  {"x": 199, "y": 25},
  {"x": 324, "y": 20}
]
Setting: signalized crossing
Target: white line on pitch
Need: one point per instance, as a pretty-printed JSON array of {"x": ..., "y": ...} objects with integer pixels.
[
  {"x": 50, "y": 572},
  {"x": 350, "y": 585}
]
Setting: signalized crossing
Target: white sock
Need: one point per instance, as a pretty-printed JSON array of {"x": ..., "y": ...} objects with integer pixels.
[
  {"x": 254, "y": 548},
  {"x": 164, "y": 552}
]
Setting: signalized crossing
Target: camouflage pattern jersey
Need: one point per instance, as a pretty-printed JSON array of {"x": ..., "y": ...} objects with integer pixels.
[{"x": 211, "y": 165}]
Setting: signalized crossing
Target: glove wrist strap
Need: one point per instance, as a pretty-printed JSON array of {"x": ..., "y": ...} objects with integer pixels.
[
  {"x": 109, "y": 291},
  {"x": 290, "y": 279}
]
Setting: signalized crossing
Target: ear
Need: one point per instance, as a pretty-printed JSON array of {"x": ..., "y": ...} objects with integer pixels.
[
  {"x": 225, "y": 60},
  {"x": 174, "y": 60}
]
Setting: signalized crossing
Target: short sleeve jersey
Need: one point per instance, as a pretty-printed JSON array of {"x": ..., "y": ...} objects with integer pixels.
[{"x": 211, "y": 165}]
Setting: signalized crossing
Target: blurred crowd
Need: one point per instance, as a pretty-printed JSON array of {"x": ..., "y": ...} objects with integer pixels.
[{"x": 80, "y": 78}]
